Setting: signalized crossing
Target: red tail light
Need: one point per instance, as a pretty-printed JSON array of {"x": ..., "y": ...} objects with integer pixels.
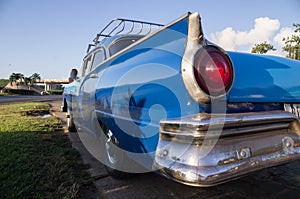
[{"x": 213, "y": 71}]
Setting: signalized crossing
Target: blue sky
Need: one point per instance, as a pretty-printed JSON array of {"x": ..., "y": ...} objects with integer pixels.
[{"x": 50, "y": 36}]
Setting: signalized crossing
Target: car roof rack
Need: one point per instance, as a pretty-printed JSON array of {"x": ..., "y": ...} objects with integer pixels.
[{"x": 125, "y": 26}]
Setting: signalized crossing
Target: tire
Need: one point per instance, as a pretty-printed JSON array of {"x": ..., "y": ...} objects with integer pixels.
[
  {"x": 70, "y": 123},
  {"x": 112, "y": 155},
  {"x": 63, "y": 107}
]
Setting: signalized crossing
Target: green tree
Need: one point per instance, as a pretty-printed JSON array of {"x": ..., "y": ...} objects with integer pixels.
[
  {"x": 262, "y": 48},
  {"x": 27, "y": 81},
  {"x": 3, "y": 83},
  {"x": 292, "y": 44},
  {"x": 12, "y": 78},
  {"x": 34, "y": 77},
  {"x": 20, "y": 77},
  {"x": 16, "y": 77}
]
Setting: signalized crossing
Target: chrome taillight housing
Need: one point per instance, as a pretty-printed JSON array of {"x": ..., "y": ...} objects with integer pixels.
[
  {"x": 206, "y": 69},
  {"x": 213, "y": 71}
]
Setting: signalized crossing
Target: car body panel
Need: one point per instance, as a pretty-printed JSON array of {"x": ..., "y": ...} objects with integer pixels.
[
  {"x": 137, "y": 80},
  {"x": 261, "y": 78}
]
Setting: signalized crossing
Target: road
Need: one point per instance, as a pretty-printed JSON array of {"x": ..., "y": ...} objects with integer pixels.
[
  {"x": 24, "y": 98},
  {"x": 278, "y": 182}
]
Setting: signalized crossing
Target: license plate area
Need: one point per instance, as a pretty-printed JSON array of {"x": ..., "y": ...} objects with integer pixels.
[{"x": 293, "y": 108}]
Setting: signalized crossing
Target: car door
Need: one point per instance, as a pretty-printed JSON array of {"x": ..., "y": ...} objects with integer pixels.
[{"x": 88, "y": 88}]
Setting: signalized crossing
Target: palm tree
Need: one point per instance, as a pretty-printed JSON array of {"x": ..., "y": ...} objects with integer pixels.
[
  {"x": 15, "y": 77},
  {"x": 12, "y": 78},
  {"x": 21, "y": 77},
  {"x": 34, "y": 77},
  {"x": 27, "y": 81}
]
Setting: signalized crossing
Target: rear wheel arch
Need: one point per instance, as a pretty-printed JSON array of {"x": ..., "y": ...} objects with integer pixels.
[{"x": 111, "y": 156}]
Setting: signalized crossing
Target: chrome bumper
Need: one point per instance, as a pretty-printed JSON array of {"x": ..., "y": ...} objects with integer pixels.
[{"x": 209, "y": 149}]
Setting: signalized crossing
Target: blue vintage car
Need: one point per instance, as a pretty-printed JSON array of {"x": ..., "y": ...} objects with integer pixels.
[{"x": 165, "y": 99}]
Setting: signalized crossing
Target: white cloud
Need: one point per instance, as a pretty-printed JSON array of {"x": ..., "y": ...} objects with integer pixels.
[
  {"x": 226, "y": 38},
  {"x": 284, "y": 33},
  {"x": 278, "y": 43},
  {"x": 263, "y": 30}
]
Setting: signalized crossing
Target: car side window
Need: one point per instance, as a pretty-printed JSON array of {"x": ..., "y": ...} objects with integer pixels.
[
  {"x": 99, "y": 57},
  {"x": 86, "y": 65},
  {"x": 121, "y": 44}
]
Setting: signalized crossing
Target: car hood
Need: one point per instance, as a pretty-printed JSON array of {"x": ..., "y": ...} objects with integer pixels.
[{"x": 263, "y": 78}]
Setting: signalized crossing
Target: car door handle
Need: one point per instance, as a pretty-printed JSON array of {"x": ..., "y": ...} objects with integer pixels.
[{"x": 93, "y": 75}]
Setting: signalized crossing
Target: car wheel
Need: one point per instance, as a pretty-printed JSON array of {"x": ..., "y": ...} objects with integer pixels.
[
  {"x": 70, "y": 123},
  {"x": 113, "y": 155},
  {"x": 63, "y": 107}
]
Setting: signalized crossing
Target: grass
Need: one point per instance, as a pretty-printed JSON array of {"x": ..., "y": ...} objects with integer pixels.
[
  {"x": 7, "y": 94},
  {"x": 36, "y": 160}
]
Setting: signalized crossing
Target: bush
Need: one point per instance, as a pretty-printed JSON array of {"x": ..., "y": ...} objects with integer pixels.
[
  {"x": 55, "y": 92},
  {"x": 19, "y": 92},
  {"x": 3, "y": 83}
]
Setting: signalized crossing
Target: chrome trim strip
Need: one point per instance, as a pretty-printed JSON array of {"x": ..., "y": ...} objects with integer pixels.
[
  {"x": 124, "y": 118},
  {"x": 293, "y": 108},
  {"x": 207, "y": 177},
  {"x": 201, "y": 135},
  {"x": 203, "y": 121},
  {"x": 248, "y": 142},
  {"x": 194, "y": 41}
]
